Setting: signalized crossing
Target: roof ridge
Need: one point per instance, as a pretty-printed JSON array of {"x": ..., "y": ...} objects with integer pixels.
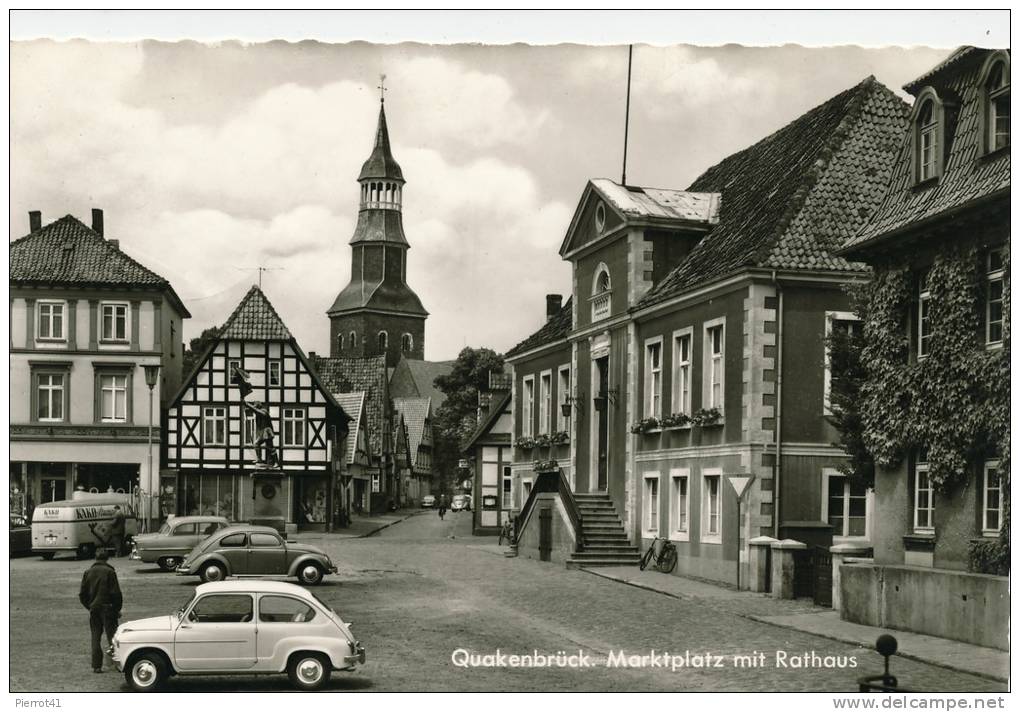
[
  {"x": 254, "y": 292},
  {"x": 851, "y": 113}
]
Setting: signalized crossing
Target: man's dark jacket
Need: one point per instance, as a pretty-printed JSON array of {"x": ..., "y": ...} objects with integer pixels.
[{"x": 99, "y": 587}]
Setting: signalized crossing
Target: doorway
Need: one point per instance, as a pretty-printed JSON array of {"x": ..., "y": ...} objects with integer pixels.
[
  {"x": 600, "y": 414},
  {"x": 310, "y": 503}
]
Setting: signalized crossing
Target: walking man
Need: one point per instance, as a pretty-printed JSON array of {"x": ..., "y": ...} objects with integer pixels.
[{"x": 100, "y": 594}]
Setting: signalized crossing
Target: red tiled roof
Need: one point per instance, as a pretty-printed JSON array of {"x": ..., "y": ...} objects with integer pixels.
[
  {"x": 68, "y": 252},
  {"x": 789, "y": 200},
  {"x": 345, "y": 375},
  {"x": 255, "y": 319},
  {"x": 968, "y": 176}
]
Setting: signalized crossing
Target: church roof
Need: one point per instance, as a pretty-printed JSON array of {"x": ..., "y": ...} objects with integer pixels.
[
  {"x": 381, "y": 164},
  {"x": 415, "y": 378},
  {"x": 376, "y": 225},
  {"x": 390, "y": 296},
  {"x": 255, "y": 319},
  {"x": 69, "y": 253}
]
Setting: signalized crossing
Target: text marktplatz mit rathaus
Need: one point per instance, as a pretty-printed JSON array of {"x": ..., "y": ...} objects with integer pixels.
[{"x": 664, "y": 660}]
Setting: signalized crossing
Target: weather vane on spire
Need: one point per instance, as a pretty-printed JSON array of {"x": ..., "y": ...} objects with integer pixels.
[{"x": 382, "y": 88}]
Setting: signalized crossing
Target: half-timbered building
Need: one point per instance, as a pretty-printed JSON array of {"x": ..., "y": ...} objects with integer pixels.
[{"x": 211, "y": 434}]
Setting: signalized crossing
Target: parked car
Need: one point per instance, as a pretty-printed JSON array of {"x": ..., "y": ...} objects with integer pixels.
[
  {"x": 461, "y": 501},
  {"x": 21, "y": 535},
  {"x": 248, "y": 550},
  {"x": 175, "y": 539},
  {"x": 428, "y": 501},
  {"x": 293, "y": 632}
]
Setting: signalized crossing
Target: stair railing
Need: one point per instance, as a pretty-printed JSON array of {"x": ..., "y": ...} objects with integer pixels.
[{"x": 552, "y": 481}]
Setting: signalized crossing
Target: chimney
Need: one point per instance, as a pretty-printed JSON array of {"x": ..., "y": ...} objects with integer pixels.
[
  {"x": 115, "y": 244},
  {"x": 34, "y": 220},
  {"x": 553, "y": 304},
  {"x": 311, "y": 354},
  {"x": 97, "y": 221}
]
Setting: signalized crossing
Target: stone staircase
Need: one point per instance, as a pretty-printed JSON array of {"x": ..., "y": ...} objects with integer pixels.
[{"x": 605, "y": 541}]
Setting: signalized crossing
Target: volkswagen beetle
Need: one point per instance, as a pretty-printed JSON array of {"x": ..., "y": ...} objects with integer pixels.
[
  {"x": 249, "y": 550},
  {"x": 239, "y": 627}
]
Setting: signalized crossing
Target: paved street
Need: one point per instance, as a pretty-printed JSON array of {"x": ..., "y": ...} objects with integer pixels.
[{"x": 422, "y": 588}]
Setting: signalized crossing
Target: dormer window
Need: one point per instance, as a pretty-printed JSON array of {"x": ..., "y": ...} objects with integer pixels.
[
  {"x": 995, "y": 100},
  {"x": 927, "y": 132},
  {"x": 602, "y": 293}
]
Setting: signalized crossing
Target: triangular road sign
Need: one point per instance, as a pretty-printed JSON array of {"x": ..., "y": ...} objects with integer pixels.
[{"x": 740, "y": 483}]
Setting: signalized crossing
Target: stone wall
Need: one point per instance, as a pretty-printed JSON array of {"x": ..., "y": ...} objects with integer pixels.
[{"x": 562, "y": 531}]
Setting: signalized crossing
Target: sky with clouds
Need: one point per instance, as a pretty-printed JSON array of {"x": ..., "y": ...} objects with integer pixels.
[{"x": 211, "y": 159}]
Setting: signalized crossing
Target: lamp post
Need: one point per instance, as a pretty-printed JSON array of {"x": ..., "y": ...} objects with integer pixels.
[{"x": 151, "y": 378}]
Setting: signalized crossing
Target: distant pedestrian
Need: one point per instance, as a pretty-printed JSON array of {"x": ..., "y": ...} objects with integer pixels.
[
  {"x": 100, "y": 594},
  {"x": 117, "y": 531},
  {"x": 442, "y": 510}
]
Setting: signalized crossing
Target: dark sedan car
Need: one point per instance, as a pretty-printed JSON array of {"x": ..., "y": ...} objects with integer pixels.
[
  {"x": 21, "y": 535},
  {"x": 248, "y": 550}
]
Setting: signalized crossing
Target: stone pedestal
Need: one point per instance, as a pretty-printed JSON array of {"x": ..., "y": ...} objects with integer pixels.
[
  {"x": 844, "y": 554},
  {"x": 268, "y": 499},
  {"x": 783, "y": 566},
  {"x": 758, "y": 563}
]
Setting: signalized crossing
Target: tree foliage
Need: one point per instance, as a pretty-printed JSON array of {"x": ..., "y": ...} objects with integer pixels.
[
  {"x": 197, "y": 346},
  {"x": 457, "y": 418}
]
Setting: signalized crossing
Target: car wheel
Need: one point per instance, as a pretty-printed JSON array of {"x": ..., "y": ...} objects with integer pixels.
[
  {"x": 146, "y": 672},
  {"x": 169, "y": 563},
  {"x": 309, "y": 574},
  {"x": 213, "y": 572},
  {"x": 48, "y": 555},
  {"x": 308, "y": 671}
]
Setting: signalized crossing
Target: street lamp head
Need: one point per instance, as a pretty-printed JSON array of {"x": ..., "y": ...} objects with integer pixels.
[{"x": 151, "y": 374}]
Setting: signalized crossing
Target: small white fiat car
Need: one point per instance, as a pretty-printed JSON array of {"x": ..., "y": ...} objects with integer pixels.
[{"x": 239, "y": 627}]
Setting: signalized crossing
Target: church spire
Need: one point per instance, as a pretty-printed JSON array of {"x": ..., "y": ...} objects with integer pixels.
[{"x": 381, "y": 164}]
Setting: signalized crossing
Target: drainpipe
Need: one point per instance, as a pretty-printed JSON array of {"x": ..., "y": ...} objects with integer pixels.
[{"x": 777, "y": 481}]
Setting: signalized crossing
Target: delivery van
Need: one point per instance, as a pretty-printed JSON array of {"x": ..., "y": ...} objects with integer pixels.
[{"x": 79, "y": 525}]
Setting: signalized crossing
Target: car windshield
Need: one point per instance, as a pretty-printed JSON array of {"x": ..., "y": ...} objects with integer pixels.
[{"x": 180, "y": 611}]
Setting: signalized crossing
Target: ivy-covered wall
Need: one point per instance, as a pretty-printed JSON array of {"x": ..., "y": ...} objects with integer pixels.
[{"x": 954, "y": 402}]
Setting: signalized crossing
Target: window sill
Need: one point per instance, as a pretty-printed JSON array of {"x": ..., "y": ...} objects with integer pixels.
[
  {"x": 51, "y": 420},
  {"x": 650, "y": 534},
  {"x": 994, "y": 153},
  {"x": 680, "y": 536},
  {"x": 991, "y": 533},
  {"x": 51, "y": 340},
  {"x": 114, "y": 342},
  {"x": 926, "y": 183},
  {"x": 993, "y": 346},
  {"x": 712, "y": 539},
  {"x": 920, "y": 540}
]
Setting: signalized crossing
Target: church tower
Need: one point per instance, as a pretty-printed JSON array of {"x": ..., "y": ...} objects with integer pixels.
[{"x": 377, "y": 313}]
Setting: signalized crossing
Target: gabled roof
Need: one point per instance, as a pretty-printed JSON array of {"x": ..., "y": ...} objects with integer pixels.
[
  {"x": 346, "y": 375},
  {"x": 353, "y": 404},
  {"x": 967, "y": 176},
  {"x": 791, "y": 199},
  {"x": 957, "y": 55},
  {"x": 552, "y": 330},
  {"x": 415, "y": 412},
  {"x": 495, "y": 410},
  {"x": 68, "y": 252},
  {"x": 416, "y": 378},
  {"x": 255, "y": 319}
]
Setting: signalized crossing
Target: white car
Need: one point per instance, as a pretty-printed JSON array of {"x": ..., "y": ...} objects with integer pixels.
[{"x": 243, "y": 627}]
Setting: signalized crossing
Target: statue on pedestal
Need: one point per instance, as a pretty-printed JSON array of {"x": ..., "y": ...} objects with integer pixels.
[{"x": 265, "y": 450}]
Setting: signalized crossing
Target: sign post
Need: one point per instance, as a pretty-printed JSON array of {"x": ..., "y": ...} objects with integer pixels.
[{"x": 740, "y": 484}]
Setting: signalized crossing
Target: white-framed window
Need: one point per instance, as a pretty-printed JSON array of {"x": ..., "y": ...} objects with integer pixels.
[
  {"x": 528, "y": 407},
  {"x": 250, "y": 434},
  {"x": 50, "y": 396},
  {"x": 651, "y": 513},
  {"x": 682, "y": 343},
  {"x": 508, "y": 488},
  {"x": 114, "y": 321},
  {"x": 653, "y": 378},
  {"x": 275, "y": 368},
  {"x": 601, "y": 293},
  {"x": 924, "y": 499},
  {"x": 50, "y": 322},
  {"x": 680, "y": 504},
  {"x": 113, "y": 397},
  {"x": 711, "y": 506},
  {"x": 715, "y": 364},
  {"x": 923, "y": 316},
  {"x": 214, "y": 425},
  {"x": 993, "y": 297},
  {"x": 562, "y": 395},
  {"x": 995, "y": 95},
  {"x": 836, "y": 322},
  {"x": 927, "y": 132},
  {"x": 991, "y": 500},
  {"x": 293, "y": 427},
  {"x": 846, "y": 506},
  {"x": 544, "y": 402}
]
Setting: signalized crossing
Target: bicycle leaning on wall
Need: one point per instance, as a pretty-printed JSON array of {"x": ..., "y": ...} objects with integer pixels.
[{"x": 665, "y": 560}]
